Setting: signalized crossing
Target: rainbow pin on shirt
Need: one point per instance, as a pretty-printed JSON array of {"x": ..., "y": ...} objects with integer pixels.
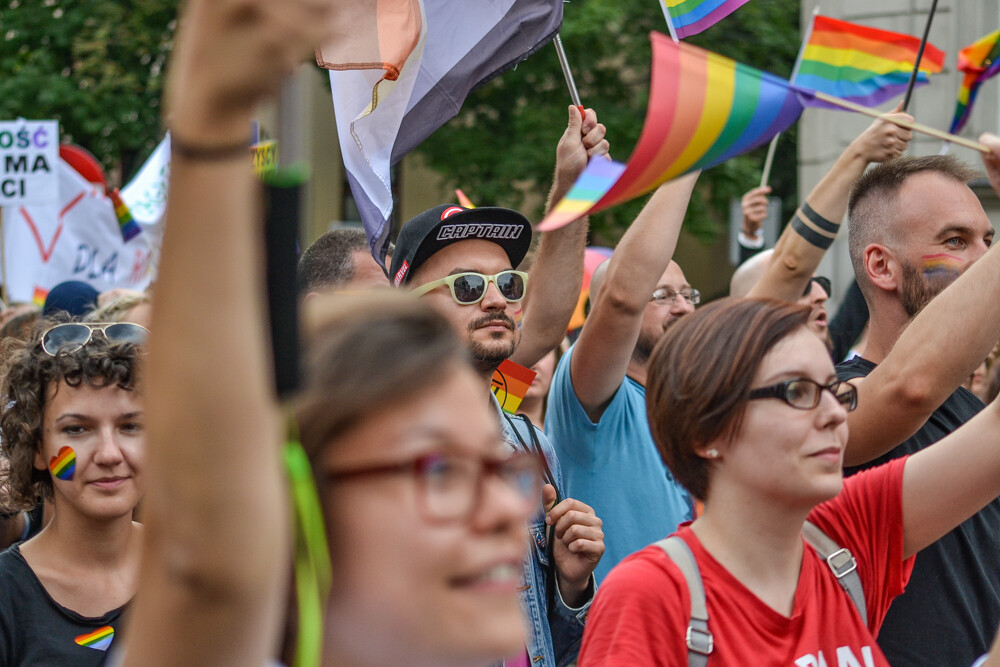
[
  {"x": 100, "y": 639},
  {"x": 63, "y": 464}
]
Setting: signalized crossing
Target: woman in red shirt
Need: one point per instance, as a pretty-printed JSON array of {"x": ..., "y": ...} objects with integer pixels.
[{"x": 747, "y": 412}]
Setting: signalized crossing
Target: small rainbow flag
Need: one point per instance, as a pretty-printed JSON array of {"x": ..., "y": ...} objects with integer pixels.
[
  {"x": 510, "y": 384},
  {"x": 865, "y": 65},
  {"x": 63, "y": 464},
  {"x": 464, "y": 201},
  {"x": 703, "y": 109},
  {"x": 126, "y": 223},
  {"x": 979, "y": 60},
  {"x": 99, "y": 639},
  {"x": 39, "y": 296},
  {"x": 692, "y": 16}
]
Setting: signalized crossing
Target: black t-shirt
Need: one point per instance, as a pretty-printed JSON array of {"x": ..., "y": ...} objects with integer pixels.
[
  {"x": 36, "y": 630},
  {"x": 951, "y": 607}
]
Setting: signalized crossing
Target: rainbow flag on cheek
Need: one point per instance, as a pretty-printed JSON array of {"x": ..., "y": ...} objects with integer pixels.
[
  {"x": 703, "y": 109},
  {"x": 865, "y": 65},
  {"x": 979, "y": 60}
]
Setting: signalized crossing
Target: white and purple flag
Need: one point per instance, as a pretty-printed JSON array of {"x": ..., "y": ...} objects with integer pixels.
[{"x": 464, "y": 45}]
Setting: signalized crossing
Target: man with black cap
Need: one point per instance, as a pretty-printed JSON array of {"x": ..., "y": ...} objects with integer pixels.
[{"x": 462, "y": 261}]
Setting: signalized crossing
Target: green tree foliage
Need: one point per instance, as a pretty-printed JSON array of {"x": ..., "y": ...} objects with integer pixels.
[
  {"x": 97, "y": 66},
  {"x": 502, "y": 143}
]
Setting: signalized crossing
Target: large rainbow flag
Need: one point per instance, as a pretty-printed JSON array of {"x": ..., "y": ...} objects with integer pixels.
[
  {"x": 865, "y": 65},
  {"x": 703, "y": 109},
  {"x": 979, "y": 60},
  {"x": 690, "y": 17}
]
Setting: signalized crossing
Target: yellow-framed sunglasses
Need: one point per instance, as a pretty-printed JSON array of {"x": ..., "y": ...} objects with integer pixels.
[{"x": 470, "y": 287}]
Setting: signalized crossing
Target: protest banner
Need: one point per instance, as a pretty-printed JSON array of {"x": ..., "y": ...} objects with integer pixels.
[
  {"x": 77, "y": 237},
  {"x": 29, "y": 150}
]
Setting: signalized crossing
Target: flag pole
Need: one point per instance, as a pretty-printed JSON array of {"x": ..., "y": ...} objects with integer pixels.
[
  {"x": 670, "y": 22},
  {"x": 574, "y": 94},
  {"x": 916, "y": 127},
  {"x": 769, "y": 160},
  {"x": 920, "y": 55}
]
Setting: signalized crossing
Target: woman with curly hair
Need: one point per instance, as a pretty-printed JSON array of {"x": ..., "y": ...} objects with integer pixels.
[{"x": 71, "y": 431}]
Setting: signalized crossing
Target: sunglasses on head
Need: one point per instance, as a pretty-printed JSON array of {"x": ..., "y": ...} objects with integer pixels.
[
  {"x": 822, "y": 282},
  {"x": 470, "y": 287},
  {"x": 72, "y": 336}
]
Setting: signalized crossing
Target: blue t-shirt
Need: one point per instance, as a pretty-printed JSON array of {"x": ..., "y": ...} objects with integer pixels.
[{"x": 614, "y": 467}]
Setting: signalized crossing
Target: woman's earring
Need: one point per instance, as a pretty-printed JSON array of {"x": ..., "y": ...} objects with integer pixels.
[{"x": 713, "y": 453}]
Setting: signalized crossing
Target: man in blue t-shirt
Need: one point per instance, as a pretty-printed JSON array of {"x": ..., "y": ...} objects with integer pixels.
[{"x": 596, "y": 416}]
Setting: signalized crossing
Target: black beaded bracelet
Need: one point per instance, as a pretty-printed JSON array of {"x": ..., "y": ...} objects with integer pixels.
[{"x": 202, "y": 153}]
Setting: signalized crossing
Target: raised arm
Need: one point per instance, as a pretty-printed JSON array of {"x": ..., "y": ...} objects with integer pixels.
[
  {"x": 215, "y": 559},
  {"x": 601, "y": 355},
  {"x": 557, "y": 273},
  {"x": 815, "y": 224},
  {"x": 945, "y": 484},
  {"x": 933, "y": 355}
]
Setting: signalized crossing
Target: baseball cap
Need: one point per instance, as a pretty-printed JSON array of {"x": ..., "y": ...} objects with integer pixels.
[
  {"x": 73, "y": 296},
  {"x": 443, "y": 225}
]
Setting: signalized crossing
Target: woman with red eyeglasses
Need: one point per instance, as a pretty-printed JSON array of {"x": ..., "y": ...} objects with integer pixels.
[
  {"x": 72, "y": 431},
  {"x": 747, "y": 412}
]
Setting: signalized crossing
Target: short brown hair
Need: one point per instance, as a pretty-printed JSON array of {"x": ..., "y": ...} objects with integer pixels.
[
  {"x": 700, "y": 374},
  {"x": 870, "y": 208},
  {"x": 365, "y": 352},
  {"x": 28, "y": 375}
]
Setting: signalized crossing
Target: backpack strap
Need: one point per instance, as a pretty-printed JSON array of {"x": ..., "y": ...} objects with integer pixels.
[
  {"x": 698, "y": 637},
  {"x": 841, "y": 563}
]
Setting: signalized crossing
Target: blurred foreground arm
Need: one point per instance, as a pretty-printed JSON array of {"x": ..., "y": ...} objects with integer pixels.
[{"x": 215, "y": 560}]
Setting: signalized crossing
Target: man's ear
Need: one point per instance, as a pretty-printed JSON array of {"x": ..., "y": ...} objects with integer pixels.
[{"x": 882, "y": 267}]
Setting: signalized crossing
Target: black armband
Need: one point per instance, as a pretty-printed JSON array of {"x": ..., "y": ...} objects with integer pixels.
[{"x": 813, "y": 227}]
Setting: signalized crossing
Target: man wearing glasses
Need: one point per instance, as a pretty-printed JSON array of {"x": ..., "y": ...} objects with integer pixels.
[
  {"x": 462, "y": 261},
  {"x": 596, "y": 415}
]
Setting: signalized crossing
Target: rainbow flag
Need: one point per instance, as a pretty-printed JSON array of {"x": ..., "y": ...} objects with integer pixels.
[
  {"x": 510, "y": 384},
  {"x": 865, "y": 65},
  {"x": 463, "y": 200},
  {"x": 703, "y": 109},
  {"x": 39, "y": 296},
  {"x": 690, "y": 17},
  {"x": 126, "y": 223},
  {"x": 979, "y": 60}
]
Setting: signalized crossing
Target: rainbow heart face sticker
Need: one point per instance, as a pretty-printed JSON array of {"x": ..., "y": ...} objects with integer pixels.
[
  {"x": 63, "y": 464},
  {"x": 99, "y": 639}
]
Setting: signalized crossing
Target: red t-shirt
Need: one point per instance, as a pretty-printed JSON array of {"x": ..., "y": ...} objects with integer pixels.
[{"x": 642, "y": 609}]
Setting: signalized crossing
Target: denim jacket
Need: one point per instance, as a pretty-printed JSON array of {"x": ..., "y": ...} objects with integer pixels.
[{"x": 556, "y": 632}]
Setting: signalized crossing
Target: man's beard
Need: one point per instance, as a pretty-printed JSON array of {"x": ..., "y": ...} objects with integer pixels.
[
  {"x": 916, "y": 291},
  {"x": 487, "y": 357},
  {"x": 644, "y": 345}
]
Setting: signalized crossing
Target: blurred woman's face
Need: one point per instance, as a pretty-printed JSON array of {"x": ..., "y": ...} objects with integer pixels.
[
  {"x": 789, "y": 456},
  {"x": 408, "y": 586}
]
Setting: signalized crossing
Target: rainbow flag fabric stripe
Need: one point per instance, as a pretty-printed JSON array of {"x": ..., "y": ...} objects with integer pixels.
[
  {"x": 510, "y": 384},
  {"x": 867, "y": 66},
  {"x": 692, "y": 16},
  {"x": 126, "y": 223},
  {"x": 39, "y": 296},
  {"x": 979, "y": 60},
  {"x": 703, "y": 109},
  {"x": 100, "y": 639}
]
